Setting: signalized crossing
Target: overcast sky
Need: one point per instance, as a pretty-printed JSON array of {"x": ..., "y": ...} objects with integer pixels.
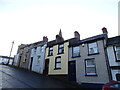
[{"x": 27, "y": 21}]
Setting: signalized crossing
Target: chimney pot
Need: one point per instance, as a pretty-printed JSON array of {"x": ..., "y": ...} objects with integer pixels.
[
  {"x": 77, "y": 35},
  {"x": 45, "y": 39},
  {"x": 104, "y": 30}
]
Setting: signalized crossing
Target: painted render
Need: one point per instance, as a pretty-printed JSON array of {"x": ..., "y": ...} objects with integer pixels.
[
  {"x": 112, "y": 62},
  {"x": 102, "y": 76},
  {"x": 64, "y": 60},
  {"x": 15, "y": 63},
  {"x": 38, "y": 66}
]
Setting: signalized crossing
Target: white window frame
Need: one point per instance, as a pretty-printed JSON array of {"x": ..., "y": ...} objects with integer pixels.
[
  {"x": 90, "y": 66},
  {"x": 93, "y": 46},
  {"x": 76, "y": 53},
  {"x": 117, "y": 51}
]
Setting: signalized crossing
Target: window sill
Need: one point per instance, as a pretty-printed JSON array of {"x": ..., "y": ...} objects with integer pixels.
[
  {"x": 93, "y": 54},
  {"x": 57, "y": 68},
  {"x": 75, "y": 56},
  {"x": 50, "y": 55},
  {"x": 91, "y": 75},
  {"x": 117, "y": 60},
  {"x": 60, "y": 53}
]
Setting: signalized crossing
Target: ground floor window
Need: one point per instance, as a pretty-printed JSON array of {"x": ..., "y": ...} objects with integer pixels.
[
  {"x": 58, "y": 63},
  {"x": 90, "y": 68},
  {"x": 118, "y": 76}
]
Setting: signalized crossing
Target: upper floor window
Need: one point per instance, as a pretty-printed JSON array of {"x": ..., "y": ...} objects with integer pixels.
[
  {"x": 35, "y": 49},
  {"x": 117, "y": 52},
  {"x": 38, "y": 60},
  {"x": 90, "y": 67},
  {"x": 76, "y": 51},
  {"x": 50, "y": 51},
  {"x": 61, "y": 48},
  {"x": 92, "y": 48}
]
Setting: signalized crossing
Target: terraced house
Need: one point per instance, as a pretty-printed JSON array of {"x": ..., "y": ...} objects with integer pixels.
[
  {"x": 88, "y": 61},
  {"x": 57, "y": 57},
  {"x": 37, "y": 58},
  {"x": 113, "y": 50}
]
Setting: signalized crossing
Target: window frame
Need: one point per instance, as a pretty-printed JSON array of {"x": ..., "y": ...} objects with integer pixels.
[
  {"x": 74, "y": 56},
  {"x": 91, "y": 66},
  {"x": 61, "y": 48},
  {"x": 57, "y": 62},
  {"x": 96, "y": 47},
  {"x": 50, "y": 51},
  {"x": 115, "y": 50}
]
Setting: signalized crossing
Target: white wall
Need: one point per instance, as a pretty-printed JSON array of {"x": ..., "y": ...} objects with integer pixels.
[
  {"x": 111, "y": 56},
  {"x": 112, "y": 61},
  {"x": 16, "y": 60},
  {"x": 40, "y": 51}
]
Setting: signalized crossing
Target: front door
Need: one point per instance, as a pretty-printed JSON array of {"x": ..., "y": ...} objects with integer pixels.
[
  {"x": 46, "y": 66},
  {"x": 31, "y": 63},
  {"x": 72, "y": 70}
]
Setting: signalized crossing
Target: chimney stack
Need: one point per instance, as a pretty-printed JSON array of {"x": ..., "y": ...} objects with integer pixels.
[
  {"x": 45, "y": 39},
  {"x": 104, "y": 30},
  {"x": 77, "y": 35}
]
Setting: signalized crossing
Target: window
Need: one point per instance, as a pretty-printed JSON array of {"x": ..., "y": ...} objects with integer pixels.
[
  {"x": 76, "y": 51},
  {"x": 118, "y": 77},
  {"x": 50, "y": 51},
  {"x": 61, "y": 49},
  {"x": 90, "y": 67},
  {"x": 92, "y": 48},
  {"x": 35, "y": 49},
  {"x": 58, "y": 63},
  {"x": 117, "y": 52},
  {"x": 38, "y": 60}
]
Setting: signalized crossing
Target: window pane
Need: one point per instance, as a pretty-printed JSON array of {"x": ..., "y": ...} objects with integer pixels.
[
  {"x": 90, "y": 62},
  {"x": 76, "y": 51},
  {"x": 58, "y": 65},
  {"x": 58, "y": 60},
  {"x": 118, "y": 47},
  {"x": 90, "y": 70},
  {"x": 93, "y": 48},
  {"x": 61, "y": 46},
  {"x": 118, "y": 55}
]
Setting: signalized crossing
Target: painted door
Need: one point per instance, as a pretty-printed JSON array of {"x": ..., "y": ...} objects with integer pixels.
[
  {"x": 72, "y": 70},
  {"x": 46, "y": 66},
  {"x": 31, "y": 63},
  {"x": 19, "y": 60}
]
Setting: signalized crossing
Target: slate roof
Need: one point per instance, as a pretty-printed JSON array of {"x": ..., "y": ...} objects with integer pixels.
[
  {"x": 113, "y": 40},
  {"x": 6, "y": 57},
  {"x": 53, "y": 42},
  {"x": 87, "y": 40}
]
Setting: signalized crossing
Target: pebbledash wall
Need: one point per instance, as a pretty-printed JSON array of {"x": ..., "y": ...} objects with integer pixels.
[{"x": 101, "y": 76}]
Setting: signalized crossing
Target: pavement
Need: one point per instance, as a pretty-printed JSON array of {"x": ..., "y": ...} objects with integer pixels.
[{"x": 16, "y": 78}]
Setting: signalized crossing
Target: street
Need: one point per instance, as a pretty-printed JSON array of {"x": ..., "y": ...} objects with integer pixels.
[{"x": 12, "y": 77}]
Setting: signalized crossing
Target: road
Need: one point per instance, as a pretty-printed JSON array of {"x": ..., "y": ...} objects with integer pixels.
[{"x": 12, "y": 77}]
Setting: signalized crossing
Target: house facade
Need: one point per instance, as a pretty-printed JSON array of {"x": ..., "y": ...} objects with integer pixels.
[
  {"x": 57, "y": 57},
  {"x": 37, "y": 58},
  {"x": 24, "y": 52},
  {"x": 87, "y": 60},
  {"x": 113, "y": 50}
]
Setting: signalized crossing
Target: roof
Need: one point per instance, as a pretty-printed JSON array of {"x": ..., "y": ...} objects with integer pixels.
[
  {"x": 113, "y": 40},
  {"x": 87, "y": 40},
  {"x": 7, "y": 57},
  {"x": 53, "y": 42}
]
